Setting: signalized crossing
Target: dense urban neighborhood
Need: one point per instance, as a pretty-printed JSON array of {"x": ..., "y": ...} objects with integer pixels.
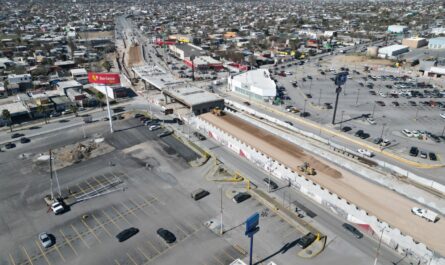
[{"x": 222, "y": 132}]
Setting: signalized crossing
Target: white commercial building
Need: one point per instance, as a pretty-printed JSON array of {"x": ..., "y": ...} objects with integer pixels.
[
  {"x": 255, "y": 84},
  {"x": 17, "y": 79},
  {"x": 392, "y": 51},
  {"x": 397, "y": 29}
]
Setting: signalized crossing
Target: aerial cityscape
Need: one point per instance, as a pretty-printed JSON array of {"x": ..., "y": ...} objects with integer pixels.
[{"x": 224, "y": 132}]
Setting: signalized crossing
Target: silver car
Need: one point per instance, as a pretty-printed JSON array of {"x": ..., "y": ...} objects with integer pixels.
[{"x": 45, "y": 240}]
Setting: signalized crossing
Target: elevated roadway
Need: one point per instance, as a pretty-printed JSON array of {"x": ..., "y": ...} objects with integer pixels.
[{"x": 376, "y": 200}]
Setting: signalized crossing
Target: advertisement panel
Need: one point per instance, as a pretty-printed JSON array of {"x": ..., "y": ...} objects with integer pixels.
[{"x": 104, "y": 78}]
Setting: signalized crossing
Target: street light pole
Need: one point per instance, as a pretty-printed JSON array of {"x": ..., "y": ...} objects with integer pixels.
[
  {"x": 358, "y": 94},
  {"x": 383, "y": 128},
  {"x": 378, "y": 248},
  {"x": 373, "y": 110}
]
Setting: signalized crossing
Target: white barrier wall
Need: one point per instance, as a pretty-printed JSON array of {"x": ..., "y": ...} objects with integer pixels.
[{"x": 416, "y": 252}]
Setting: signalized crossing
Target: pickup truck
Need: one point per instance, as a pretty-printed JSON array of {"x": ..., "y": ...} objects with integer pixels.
[
  {"x": 58, "y": 207},
  {"x": 430, "y": 216}
]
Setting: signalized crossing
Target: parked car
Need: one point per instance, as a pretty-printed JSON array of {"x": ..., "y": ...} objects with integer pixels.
[
  {"x": 126, "y": 234},
  {"x": 377, "y": 140},
  {"x": 17, "y": 135},
  {"x": 414, "y": 151},
  {"x": 306, "y": 240},
  {"x": 371, "y": 121},
  {"x": 365, "y": 152},
  {"x": 272, "y": 184},
  {"x": 353, "y": 230},
  {"x": 346, "y": 129},
  {"x": 240, "y": 197},
  {"x": 199, "y": 194},
  {"x": 385, "y": 142},
  {"x": 45, "y": 240},
  {"x": 359, "y": 132},
  {"x": 407, "y": 133},
  {"x": 305, "y": 114},
  {"x": 168, "y": 236},
  {"x": 423, "y": 155},
  {"x": 395, "y": 103},
  {"x": 154, "y": 127},
  {"x": 432, "y": 156},
  {"x": 24, "y": 140},
  {"x": 9, "y": 145},
  {"x": 199, "y": 136}
]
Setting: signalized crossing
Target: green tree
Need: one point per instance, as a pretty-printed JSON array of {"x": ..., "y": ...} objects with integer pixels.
[
  {"x": 41, "y": 109},
  {"x": 74, "y": 109},
  {"x": 6, "y": 115},
  {"x": 107, "y": 65}
]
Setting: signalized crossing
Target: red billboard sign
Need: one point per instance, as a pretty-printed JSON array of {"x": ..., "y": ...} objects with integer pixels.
[{"x": 104, "y": 78}]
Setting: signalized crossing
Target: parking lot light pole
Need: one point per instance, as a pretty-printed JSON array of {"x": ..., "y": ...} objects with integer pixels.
[
  {"x": 373, "y": 110},
  {"x": 304, "y": 107},
  {"x": 358, "y": 94},
  {"x": 383, "y": 128}
]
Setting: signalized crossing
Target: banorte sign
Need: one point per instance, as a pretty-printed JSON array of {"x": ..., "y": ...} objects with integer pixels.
[{"x": 104, "y": 78}]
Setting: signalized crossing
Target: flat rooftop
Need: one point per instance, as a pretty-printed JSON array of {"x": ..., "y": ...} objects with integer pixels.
[
  {"x": 156, "y": 76},
  {"x": 192, "y": 96}
]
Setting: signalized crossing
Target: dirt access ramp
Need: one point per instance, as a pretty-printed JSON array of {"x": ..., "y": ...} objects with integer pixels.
[
  {"x": 376, "y": 200},
  {"x": 134, "y": 55}
]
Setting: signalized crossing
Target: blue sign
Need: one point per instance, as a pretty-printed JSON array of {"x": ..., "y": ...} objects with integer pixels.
[
  {"x": 252, "y": 223},
  {"x": 340, "y": 78}
]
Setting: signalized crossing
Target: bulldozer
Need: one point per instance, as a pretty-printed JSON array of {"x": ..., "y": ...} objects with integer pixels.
[
  {"x": 305, "y": 168},
  {"x": 217, "y": 111}
]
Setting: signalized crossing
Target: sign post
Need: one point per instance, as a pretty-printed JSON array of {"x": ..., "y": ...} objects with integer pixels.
[
  {"x": 105, "y": 79},
  {"x": 251, "y": 229},
  {"x": 340, "y": 79}
]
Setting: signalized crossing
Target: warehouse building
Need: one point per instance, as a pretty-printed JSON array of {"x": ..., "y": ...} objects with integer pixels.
[
  {"x": 186, "y": 50},
  {"x": 414, "y": 42},
  {"x": 391, "y": 52},
  {"x": 255, "y": 84},
  {"x": 437, "y": 43},
  {"x": 398, "y": 29}
]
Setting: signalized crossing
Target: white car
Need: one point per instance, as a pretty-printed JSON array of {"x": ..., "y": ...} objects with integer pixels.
[
  {"x": 57, "y": 207},
  {"x": 407, "y": 133},
  {"x": 416, "y": 133},
  {"x": 365, "y": 152},
  {"x": 385, "y": 142},
  {"x": 383, "y": 95},
  {"x": 154, "y": 127},
  {"x": 442, "y": 115},
  {"x": 371, "y": 121},
  {"x": 45, "y": 240}
]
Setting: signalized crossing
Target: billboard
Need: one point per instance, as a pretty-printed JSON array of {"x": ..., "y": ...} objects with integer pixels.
[{"x": 104, "y": 78}]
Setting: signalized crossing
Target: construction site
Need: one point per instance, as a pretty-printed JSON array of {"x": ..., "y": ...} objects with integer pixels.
[{"x": 367, "y": 204}]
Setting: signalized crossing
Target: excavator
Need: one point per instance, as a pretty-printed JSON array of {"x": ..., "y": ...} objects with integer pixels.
[{"x": 305, "y": 168}]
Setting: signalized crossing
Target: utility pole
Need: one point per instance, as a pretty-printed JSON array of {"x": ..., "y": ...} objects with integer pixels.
[
  {"x": 358, "y": 94},
  {"x": 378, "y": 248},
  {"x": 270, "y": 173},
  {"x": 108, "y": 109},
  {"x": 383, "y": 128},
  {"x": 51, "y": 173},
  {"x": 221, "y": 225}
]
